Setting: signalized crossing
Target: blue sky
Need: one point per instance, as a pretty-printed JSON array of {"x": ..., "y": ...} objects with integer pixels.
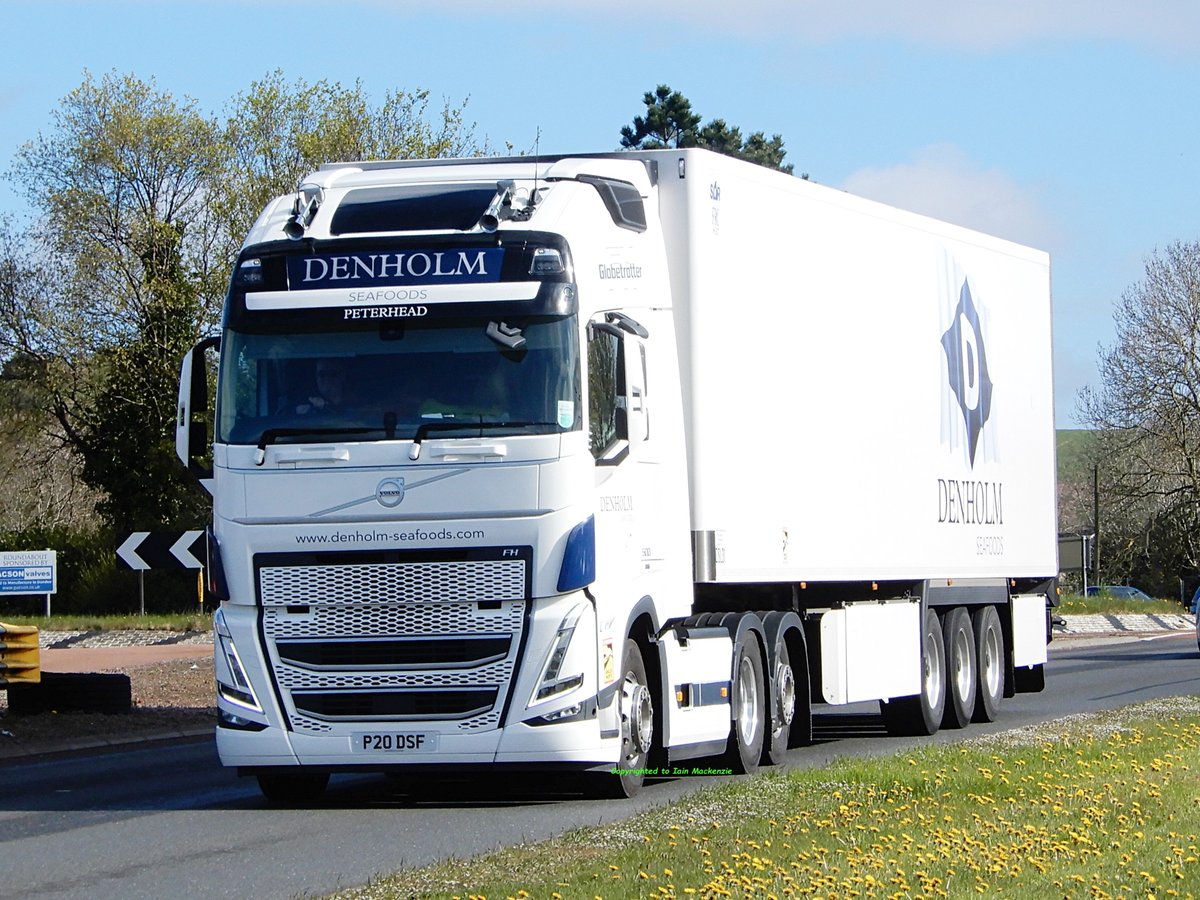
[{"x": 1071, "y": 126}]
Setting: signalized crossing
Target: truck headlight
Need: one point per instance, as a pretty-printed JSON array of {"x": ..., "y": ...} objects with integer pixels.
[
  {"x": 552, "y": 682},
  {"x": 232, "y": 683}
]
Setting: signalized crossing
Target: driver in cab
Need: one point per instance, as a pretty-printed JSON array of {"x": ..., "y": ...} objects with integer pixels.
[{"x": 330, "y": 395}]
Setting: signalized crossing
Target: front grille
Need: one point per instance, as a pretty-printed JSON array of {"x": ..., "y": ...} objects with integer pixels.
[
  {"x": 451, "y": 581},
  {"x": 376, "y": 705},
  {"x": 404, "y": 638},
  {"x": 407, "y": 653}
]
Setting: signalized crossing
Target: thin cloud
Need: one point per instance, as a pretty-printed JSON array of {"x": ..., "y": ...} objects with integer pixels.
[
  {"x": 955, "y": 24},
  {"x": 940, "y": 181}
]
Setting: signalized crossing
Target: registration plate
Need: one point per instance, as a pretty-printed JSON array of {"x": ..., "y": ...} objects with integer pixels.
[{"x": 394, "y": 742}]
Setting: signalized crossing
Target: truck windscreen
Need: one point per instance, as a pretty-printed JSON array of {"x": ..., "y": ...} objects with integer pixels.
[{"x": 384, "y": 381}]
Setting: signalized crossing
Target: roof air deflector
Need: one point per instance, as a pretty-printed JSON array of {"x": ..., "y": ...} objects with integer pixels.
[
  {"x": 412, "y": 207},
  {"x": 622, "y": 199}
]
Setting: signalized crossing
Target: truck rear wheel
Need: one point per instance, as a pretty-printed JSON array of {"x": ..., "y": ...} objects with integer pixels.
[
  {"x": 783, "y": 708},
  {"x": 790, "y": 723},
  {"x": 293, "y": 790},
  {"x": 989, "y": 657},
  {"x": 748, "y": 701},
  {"x": 960, "y": 667},
  {"x": 922, "y": 714}
]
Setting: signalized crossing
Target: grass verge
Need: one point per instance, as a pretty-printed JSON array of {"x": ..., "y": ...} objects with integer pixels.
[
  {"x": 1092, "y": 805},
  {"x": 131, "y": 622},
  {"x": 1075, "y": 605}
]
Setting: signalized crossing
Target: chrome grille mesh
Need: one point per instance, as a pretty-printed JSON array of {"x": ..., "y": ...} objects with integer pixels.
[
  {"x": 385, "y": 620},
  {"x": 363, "y": 601},
  {"x": 424, "y": 582}
]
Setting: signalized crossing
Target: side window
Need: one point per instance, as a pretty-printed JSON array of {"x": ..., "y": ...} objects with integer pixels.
[{"x": 604, "y": 389}]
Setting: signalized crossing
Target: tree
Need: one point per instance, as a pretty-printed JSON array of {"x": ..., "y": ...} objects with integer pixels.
[
  {"x": 670, "y": 122},
  {"x": 40, "y": 477},
  {"x": 118, "y": 292},
  {"x": 278, "y": 132},
  {"x": 1147, "y": 411},
  {"x": 141, "y": 202}
]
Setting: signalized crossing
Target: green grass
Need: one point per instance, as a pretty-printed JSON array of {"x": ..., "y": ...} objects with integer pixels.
[
  {"x": 1099, "y": 806},
  {"x": 167, "y": 622},
  {"x": 1075, "y": 605}
]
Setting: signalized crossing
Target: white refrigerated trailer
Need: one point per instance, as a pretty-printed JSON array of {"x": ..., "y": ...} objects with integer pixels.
[{"x": 633, "y": 458}]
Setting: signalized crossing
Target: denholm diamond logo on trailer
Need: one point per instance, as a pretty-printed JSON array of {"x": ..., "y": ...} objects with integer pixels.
[{"x": 967, "y": 365}]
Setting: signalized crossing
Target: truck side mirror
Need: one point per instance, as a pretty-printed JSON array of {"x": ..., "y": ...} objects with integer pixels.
[{"x": 193, "y": 413}]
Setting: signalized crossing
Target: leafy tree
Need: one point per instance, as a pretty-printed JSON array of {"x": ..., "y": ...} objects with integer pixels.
[
  {"x": 141, "y": 201},
  {"x": 670, "y": 122},
  {"x": 1147, "y": 411},
  {"x": 40, "y": 477},
  {"x": 278, "y": 132},
  {"x": 116, "y": 297}
]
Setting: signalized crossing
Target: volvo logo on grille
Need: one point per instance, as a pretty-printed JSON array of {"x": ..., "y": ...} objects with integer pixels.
[{"x": 390, "y": 492}]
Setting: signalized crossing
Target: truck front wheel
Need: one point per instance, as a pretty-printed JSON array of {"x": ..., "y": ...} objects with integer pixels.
[{"x": 635, "y": 706}]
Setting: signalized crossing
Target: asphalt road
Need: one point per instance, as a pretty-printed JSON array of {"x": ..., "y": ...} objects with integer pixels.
[{"x": 170, "y": 822}]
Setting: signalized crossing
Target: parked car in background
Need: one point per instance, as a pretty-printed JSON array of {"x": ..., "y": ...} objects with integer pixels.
[
  {"x": 1196, "y": 604},
  {"x": 1118, "y": 592}
]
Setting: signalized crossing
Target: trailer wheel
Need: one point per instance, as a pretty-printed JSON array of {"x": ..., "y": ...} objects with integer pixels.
[
  {"x": 989, "y": 657},
  {"x": 961, "y": 668},
  {"x": 922, "y": 714},
  {"x": 636, "y": 710},
  {"x": 749, "y": 706},
  {"x": 293, "y": 790}
]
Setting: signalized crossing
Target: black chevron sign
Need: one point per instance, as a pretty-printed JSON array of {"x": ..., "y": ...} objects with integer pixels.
[{"x": 142, "y": 550}]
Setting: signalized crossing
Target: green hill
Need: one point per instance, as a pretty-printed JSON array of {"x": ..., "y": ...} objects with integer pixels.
[{"x": 1074, "y": 454}]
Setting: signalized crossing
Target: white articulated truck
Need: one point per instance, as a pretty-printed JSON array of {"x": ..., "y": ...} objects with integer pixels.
[{"x": 596, "y": 464}]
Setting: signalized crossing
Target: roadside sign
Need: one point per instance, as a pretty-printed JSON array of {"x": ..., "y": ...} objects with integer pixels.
[
  {"x": 143, "y": 550},
  {"x": 146, "y": 550},
  {"x": 28, "y": 572}
]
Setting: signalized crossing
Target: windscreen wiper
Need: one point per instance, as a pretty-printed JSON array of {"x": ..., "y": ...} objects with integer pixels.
[
  {"x": 425, "y": 427},
  {"x": 271, "y": 435}
]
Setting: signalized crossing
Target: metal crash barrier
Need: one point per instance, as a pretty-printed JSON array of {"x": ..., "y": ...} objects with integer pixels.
[{"x": 19, "y": 659}]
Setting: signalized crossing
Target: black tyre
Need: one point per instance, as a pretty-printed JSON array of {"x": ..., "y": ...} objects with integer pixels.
[
  {"x": 782, "y": 707},
  {"x": 293, "y": 790},
  {"x": 635, "y": 705},
  {"x": 990, "y": 659},
  {"x": 749, "y": 706},
  {"x": 922, "y": 714},
  {"x": 789, "y": 706},
  {"x": 961, "y": 672}
]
